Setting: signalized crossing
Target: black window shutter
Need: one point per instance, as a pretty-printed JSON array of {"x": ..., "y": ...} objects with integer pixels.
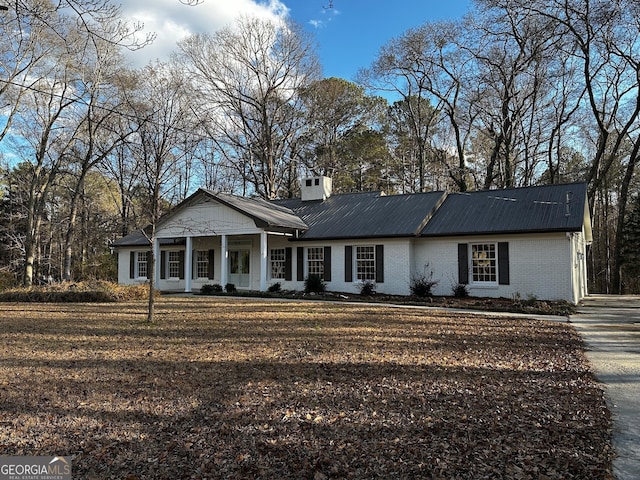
[
  {"x": 210, "y": 264},
  {"x": 181, "y": 264},
  {"x": 327, "y": 264},
  {"x": 288, "y": 273},
  {"x": 163, "y": 264},
  {"x": 132, "y": 265},
  {"x": 348, "y": 263},
  {"x": 300, "y": 264},
  {"x": 463, "y": 263},
  {"x": 503, "y": 263},
  {"x": 194, "y": 264},
  {"x": 379, "y": 263},
  {"x": 149, "y": 263}
]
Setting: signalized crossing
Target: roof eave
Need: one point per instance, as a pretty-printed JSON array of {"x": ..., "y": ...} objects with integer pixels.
[
  {"x": 261, "y": 222},
  {"x": 501, "y": 232},
  {"x": 354, "y": 237}
]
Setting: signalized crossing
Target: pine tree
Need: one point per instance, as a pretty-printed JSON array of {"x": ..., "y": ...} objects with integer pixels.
[{"x": 631, "y": 244}]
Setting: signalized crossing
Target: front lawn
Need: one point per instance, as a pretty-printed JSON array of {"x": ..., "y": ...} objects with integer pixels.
[{"x": 238, "y": 388}]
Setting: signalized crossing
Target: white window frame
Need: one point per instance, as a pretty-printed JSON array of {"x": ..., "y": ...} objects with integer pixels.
[
  {"x": 365, "y": 263},
  {"x": 173, "y": 262},
  {"x": 484, "y": 263},
  {"x": 202, "y": 263},
  {"x": 315, "y": 261},
  {"x": 141, "y": 258},
  {"x": 278, "y": 260}
]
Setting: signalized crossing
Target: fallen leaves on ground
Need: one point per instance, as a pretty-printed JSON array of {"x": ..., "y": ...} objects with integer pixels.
[{"x": 234, "y": 388}]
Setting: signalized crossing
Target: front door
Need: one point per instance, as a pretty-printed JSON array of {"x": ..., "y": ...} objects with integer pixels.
[{"x": 239, "y": 274}]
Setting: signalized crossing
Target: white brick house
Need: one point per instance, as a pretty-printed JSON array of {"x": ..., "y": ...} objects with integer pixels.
[{"x": 500, "y": 243}]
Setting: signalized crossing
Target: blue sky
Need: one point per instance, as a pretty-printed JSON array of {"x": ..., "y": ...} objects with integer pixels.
[{"x": 349, "y": 35}]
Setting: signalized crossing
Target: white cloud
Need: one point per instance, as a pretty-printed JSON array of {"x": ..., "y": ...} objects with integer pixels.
[
  {"x": 172, "y": 21},
  {"x": 329, "y": 14}
]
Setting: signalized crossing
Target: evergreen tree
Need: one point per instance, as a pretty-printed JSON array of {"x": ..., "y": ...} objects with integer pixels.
[{"x": 631, "y": 247}]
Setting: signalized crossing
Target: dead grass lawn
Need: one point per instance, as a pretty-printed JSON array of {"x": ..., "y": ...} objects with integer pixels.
[{"x": 234, "y": 388}]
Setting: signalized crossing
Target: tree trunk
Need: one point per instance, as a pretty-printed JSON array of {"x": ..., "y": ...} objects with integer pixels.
[
  {"x": 32, "y": 229},
  {"x": 155, "y": 215},
  {"x": 152, "y": 277},
  {"x": 30, "y": 255},
  {"x": 71, "y": 227},
  {"x": 616, "y": 275}
]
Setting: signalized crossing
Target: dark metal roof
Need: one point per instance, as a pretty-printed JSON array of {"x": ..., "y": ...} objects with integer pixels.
[
  {"x": 548, "y": 208},
  {"x": 135, "y": 239},
  {"x": 265, "y": 215},
  {"x": 365, "y": 215},
  {"x": 140, "y": 239}
]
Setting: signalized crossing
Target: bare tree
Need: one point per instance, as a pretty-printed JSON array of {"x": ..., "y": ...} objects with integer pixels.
[
  {"x": 24, "y": 45},
  {"x": 162, "y": 111},
  {"x": 605, "y": 36},
  {"x": 400, "y": 68},
  {"x": 44, "y": 68},
  {"x": 41, "y": 137},
  {"x": 513, "y": 53},
  {"x": 30, "y": 31},
  {"x": 248, "y": 78},
  {"x": 97, "y": 131}
]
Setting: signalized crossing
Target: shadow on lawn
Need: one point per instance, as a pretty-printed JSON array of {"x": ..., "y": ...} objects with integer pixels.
[
  {"x": 159, "y": 419},
  {"x": 274, "y": 391}
]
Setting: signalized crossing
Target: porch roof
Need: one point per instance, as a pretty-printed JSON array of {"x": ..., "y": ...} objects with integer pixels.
[
  {"x": 140, "y": 239},
  {"x": 267, "y": 215}
]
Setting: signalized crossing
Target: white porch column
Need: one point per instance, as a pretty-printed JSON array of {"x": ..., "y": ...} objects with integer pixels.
[
  {"x": 156, "y": 255},
  {"x": 188, "y": 264},
  {"x": 224, "y": 253},
  {"x": 263, "y": 261}
]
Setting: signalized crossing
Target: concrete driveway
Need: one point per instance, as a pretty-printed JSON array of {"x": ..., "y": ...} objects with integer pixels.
[{"x": 610, "y": 326}]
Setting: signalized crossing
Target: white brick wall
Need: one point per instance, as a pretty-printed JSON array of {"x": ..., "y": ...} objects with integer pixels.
[
  {"x": 547, "y": 266},
  {"x": 123, "y": 267},
  {"x": 397, "y": 254},
  {"x": 539, "y": 265}
]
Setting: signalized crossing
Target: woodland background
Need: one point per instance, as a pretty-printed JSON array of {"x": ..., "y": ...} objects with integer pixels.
[{"x": 517, "y": 93}]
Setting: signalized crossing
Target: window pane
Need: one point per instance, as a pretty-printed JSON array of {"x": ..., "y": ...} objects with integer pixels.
[
  {"x": 366, "y": 263},
  {"x": 315, "y": 260},
  {"x": 202, "y": 264},
  {"x": 142, "y": 264},
  {"x": 483, "y": 260},
  {"x": 245, "y": 262},
  {"x": 174, "y": 264},
  {"x": 278, "y": 261},
  {"x": 234, "y": 257}
]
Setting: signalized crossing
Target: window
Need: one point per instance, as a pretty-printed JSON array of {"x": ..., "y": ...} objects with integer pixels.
[
  {"x": 278, "y": 263},
  {"x": 366, "y": 263},
  {"x": 484, "y": 263},
  {"x": 174, "y": 264},
  {"x": 315, "y": 261},
  {"x": 141, "y": 264},
  {"x": 202, "y": 264}
]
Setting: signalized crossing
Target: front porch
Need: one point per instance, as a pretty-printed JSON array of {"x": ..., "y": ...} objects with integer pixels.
[{"x": 187, "y": 263}]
